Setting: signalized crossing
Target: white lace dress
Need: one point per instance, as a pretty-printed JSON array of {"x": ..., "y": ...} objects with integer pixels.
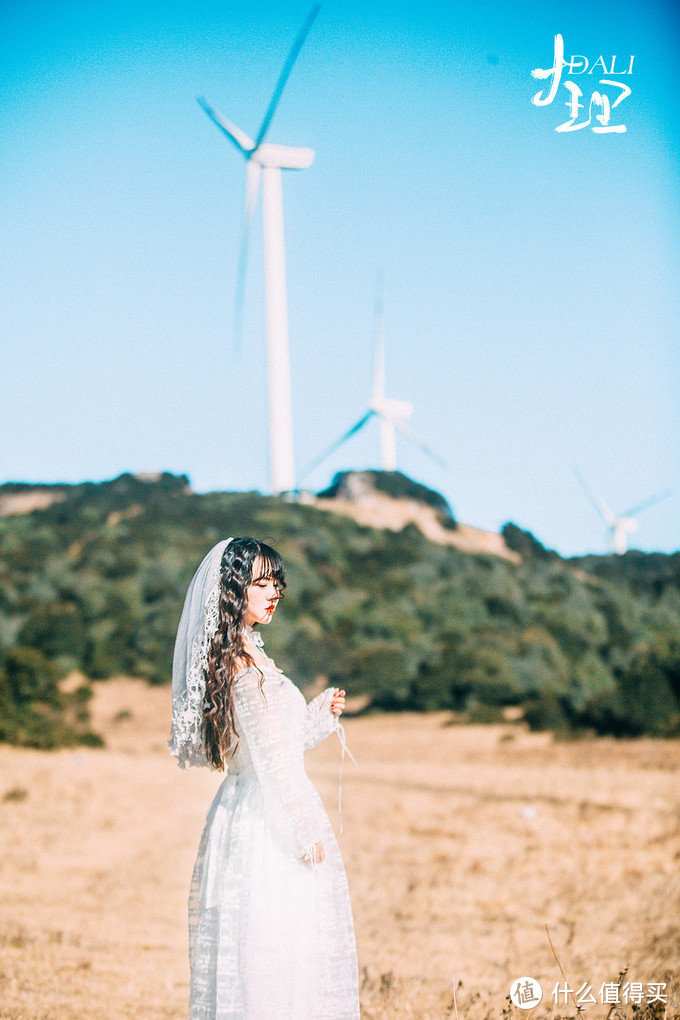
[{"x": 271, "y": 936}]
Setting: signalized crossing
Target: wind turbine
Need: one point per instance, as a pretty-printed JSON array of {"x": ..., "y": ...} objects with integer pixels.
[
  {"x": 391, "y": 414},
  {"x": 264, "y": 163},
  {"x": 624, "y": 525}
]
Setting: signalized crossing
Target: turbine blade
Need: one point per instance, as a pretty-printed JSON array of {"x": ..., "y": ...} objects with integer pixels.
[
  {"x": 378, "y": 387},
  {"x": 603, "y": 510},
  {"x": 253, "y": 172},
  {"x": 410, "y": 434},
  {"x": 338, "y": 443},
  {"x": 240, "y": 139},
  {"x": 634, "y": 511},
  {"x": 285, "y": 73}
]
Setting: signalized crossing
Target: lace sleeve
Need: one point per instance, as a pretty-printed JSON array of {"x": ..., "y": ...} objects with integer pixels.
[
  {"x": 319, "y": 720},
  {"x": 263, "y": 722}
]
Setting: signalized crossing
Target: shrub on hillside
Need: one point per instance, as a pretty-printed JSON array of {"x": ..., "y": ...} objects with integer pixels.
[{"x": 33, "y": 710}]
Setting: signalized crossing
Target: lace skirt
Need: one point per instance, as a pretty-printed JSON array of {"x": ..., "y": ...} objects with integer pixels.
[{"x": 271, "y": 938}]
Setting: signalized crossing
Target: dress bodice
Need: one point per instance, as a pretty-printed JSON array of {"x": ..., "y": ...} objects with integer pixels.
[{"x": 272, "y": 699}]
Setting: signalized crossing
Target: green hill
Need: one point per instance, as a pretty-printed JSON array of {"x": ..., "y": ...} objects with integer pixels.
[{"x": 94, "y": 580}]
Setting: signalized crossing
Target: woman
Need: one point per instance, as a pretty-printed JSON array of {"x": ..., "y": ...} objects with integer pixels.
[{"x": 270, "y": 922}]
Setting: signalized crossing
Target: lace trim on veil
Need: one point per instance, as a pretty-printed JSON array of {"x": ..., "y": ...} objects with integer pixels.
[
  {"x": 187, "y": 716},
  {"x": 197, "y": 627}
]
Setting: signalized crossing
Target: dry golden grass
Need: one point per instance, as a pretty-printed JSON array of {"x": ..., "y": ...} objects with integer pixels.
[{"x": 461, "y": 844}]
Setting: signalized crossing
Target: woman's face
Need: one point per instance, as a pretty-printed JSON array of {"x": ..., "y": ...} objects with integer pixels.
[{"x": 261, "y": 597}]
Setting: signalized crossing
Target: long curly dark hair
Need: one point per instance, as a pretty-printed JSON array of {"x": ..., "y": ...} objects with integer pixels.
[{"x": 227, "y": 654}]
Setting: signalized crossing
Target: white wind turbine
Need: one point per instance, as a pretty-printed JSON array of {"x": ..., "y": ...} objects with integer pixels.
[
  {"x": 264, "y": 162},
  {"x": 626, "y": 523},
  {"x": 391, "y": 414}
]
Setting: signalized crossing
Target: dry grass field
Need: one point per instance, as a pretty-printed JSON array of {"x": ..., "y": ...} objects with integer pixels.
[{"x": 461, "y": 845}]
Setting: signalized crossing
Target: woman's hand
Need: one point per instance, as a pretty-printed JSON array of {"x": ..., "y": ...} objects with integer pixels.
[
  {"x": 315, "y": 855},
  {"x": 338, "y": 702}
]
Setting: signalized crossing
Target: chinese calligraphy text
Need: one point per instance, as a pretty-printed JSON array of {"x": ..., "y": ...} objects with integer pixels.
[{"x": 600, "y": 99}]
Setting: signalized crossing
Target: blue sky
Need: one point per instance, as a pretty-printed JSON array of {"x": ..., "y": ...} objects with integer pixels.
[{"x": 531, "y": 302}]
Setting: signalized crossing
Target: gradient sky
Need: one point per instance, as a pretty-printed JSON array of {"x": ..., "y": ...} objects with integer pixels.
[{"x": 531, "y": 300}]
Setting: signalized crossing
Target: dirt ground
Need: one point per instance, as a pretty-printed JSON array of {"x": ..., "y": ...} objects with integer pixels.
[{"x": 461, "y": 844}]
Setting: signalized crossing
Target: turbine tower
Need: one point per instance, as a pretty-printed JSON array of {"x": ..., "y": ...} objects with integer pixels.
[
  {"x": 626, "y": 523},
  {"x": 264, "y": 163},
  {"x": 391, "y": 414}
]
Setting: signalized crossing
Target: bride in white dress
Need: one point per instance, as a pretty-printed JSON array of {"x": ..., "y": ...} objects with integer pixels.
[{"x": 270, "y": 922}]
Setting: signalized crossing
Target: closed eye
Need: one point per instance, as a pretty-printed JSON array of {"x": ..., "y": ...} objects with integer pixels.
[{"x": 262, "y": 582}]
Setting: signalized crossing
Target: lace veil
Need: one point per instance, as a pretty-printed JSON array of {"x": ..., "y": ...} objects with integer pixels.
[{"x": 197, "y": 627}]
